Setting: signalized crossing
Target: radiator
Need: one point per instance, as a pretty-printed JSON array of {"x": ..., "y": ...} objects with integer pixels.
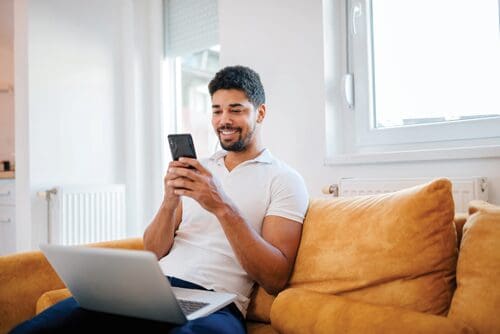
[
  {"x": 464, "y": 189},
  {"x": 84, "y": 214}
]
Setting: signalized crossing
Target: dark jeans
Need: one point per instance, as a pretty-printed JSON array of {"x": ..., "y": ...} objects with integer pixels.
[{"x": 68, "y": 317}]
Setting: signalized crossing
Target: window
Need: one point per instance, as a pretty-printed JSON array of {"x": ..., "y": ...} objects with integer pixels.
[
  {"x": 191, "y": 61},
  {"x": 455, "y": 53},
  {"x": 422, "y": 76},
  {"x": 193, "y": 109}
]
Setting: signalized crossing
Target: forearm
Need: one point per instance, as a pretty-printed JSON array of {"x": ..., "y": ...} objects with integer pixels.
[
  {"x": 266, "y": 264},
  {"x": 159, "y": 235}
]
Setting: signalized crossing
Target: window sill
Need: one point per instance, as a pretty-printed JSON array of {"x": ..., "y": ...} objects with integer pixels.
[{"x": 415, "y": 155}]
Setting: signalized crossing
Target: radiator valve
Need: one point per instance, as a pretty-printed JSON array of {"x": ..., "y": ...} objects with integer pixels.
[{"x": 332, "y": 189}]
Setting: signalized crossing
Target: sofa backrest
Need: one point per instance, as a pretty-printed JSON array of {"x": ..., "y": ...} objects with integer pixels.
[
  {"x": 396, "y": 249},
  {"x": 477, "y": 297}
]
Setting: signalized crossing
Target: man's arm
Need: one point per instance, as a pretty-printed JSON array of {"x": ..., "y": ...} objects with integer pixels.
[
  {"x": 269, "y": 258},
  {"x": 159, "y": 235}
]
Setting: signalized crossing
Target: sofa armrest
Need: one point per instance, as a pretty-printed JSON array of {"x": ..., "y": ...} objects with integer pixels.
[
  {"x": 24, "y": 277},
  {"x": 298, "y": 310},
  {"x": 130, "y": 243}
]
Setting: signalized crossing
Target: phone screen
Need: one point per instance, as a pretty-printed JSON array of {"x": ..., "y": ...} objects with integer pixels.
[{"x": 181, "y": 145}]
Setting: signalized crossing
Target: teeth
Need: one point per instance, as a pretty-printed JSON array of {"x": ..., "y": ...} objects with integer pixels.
[{"x": 226, "y": 132}]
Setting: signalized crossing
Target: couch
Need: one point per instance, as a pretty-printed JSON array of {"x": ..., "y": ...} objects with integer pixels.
[{"x": 402, "y": 262}]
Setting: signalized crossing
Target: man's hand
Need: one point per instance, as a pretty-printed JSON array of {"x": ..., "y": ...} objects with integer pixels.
[
  {"x": 159, "y": 235},
  {"x": 170, "y": 198},
  {"x": 198, "y": 183}
]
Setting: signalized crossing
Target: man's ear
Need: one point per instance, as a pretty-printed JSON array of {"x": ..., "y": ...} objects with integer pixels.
[{"x": 261, "y": 113}]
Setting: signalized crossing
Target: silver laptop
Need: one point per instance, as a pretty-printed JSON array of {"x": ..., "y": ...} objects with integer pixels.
[{"x": 130, "y": 283}]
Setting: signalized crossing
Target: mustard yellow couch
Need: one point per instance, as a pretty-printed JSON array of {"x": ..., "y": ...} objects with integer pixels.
[{"x": 391, "y": 263}]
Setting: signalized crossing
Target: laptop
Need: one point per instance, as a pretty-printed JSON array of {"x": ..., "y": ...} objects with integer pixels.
[{"x": 130, "y": 283}]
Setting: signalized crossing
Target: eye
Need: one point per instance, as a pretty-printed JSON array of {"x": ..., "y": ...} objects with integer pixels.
[
  {"x": 216, "y": 112},
  {"x": 236, "y": 110}
]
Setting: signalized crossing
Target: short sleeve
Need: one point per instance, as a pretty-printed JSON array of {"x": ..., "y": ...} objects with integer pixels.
[{"x": 289, "y": 196}]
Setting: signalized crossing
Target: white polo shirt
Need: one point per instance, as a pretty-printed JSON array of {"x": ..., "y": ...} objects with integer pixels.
[{"x": 260, "y": 187}]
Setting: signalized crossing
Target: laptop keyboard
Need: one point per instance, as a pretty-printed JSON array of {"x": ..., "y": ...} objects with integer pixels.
[{"x": 189, "y": 306}]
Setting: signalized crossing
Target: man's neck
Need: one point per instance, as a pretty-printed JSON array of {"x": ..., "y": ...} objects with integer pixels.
[{"x": 233, "y": 159}]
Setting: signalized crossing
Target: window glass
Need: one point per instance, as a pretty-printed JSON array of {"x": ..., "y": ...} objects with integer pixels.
[
  {"x": 193, "y": 112},
  {"x": 435, "y": 61}
]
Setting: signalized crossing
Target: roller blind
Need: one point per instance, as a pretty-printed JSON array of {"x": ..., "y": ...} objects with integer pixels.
[{"x": 190, "y": 26}]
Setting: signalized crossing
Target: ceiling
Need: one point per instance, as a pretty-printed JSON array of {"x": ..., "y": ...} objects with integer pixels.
[{"x": 7, "y": 23}]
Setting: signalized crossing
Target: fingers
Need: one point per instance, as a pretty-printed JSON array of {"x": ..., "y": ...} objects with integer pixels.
[
  {"x": 195, "y": 164},
  {"x": 187, "y": 177},
  {"x": 181, "y": 183},
  {"x": 184, "y": 192},
  {"x": 192, "y": 174},
  {"x": 179, "y": 176},
  {"x": 177, "y": 164},
  {"x": 170, "y": 175}
]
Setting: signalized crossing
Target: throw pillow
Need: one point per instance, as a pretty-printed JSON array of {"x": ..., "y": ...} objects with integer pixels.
[{"x": 394, "y": 249}]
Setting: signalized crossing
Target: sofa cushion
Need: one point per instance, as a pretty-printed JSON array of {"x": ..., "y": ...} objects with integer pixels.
[
  {"x": 303, "y": 311},
  {"x": 395, "y": 249},
  {"x": 477, "y": 298},
  {"x": 259, "y": 308},
  {"x": 460, "y": 219},
  {"x": 50, "y": 298},
  {"x": 259, "y": 328}
]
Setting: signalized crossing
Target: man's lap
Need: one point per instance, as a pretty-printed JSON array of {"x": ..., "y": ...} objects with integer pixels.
[{"x": 68, "y": 317}]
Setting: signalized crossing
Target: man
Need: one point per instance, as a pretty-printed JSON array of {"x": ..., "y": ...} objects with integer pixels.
[{"x": 228, "y": 221}]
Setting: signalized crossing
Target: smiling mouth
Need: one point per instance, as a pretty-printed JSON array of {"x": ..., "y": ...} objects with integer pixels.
[{"x": 228, "y": 133}]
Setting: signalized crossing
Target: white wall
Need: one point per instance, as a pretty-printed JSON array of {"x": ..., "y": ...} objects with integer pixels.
[
  {"x": 23, "y": 191},
  {"x": 75, "y": 98},
  {"x": 283, "y": 41},
  {"x": 93, "y": 70}
]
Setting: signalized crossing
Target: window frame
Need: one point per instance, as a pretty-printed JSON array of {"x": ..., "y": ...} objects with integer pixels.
[{"x": 363, "y": 142}]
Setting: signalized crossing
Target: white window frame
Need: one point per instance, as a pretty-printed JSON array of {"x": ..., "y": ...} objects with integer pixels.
[{"x": 360, "y": 141}]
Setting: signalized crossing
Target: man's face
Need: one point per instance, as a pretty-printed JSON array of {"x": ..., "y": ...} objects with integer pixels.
[{"x": 233, "y": 119}]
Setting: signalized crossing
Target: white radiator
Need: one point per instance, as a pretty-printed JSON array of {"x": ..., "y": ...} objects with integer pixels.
[
  {"x": 464, "y": 189},
  {"x": 84, "y": 214}
]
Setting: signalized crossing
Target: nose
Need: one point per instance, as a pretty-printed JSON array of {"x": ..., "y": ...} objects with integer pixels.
[{"x": 225, "y": 118}]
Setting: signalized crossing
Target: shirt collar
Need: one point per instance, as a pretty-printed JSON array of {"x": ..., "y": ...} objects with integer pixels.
[{"x": 264, "y": 157}]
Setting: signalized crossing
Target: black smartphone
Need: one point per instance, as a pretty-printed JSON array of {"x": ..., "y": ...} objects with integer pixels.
[{"x": 181, "y": 145}]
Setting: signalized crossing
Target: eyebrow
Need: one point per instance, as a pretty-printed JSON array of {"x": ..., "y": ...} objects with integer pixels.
[{"x": 232, "y": 105}]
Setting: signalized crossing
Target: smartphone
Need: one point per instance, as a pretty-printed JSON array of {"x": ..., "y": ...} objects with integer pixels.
[{"x": 181, "y": 145}]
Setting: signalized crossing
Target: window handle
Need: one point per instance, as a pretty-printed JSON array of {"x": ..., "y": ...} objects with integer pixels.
[
  {"x": 356, "y": 13},
  {"x": 348, "y": 83}
]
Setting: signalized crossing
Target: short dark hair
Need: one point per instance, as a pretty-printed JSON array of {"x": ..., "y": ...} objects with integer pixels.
[{"x": 241, "y": 78}]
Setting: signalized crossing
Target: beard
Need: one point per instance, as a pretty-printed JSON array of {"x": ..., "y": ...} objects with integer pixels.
[{"x": 242, "y": 142}]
